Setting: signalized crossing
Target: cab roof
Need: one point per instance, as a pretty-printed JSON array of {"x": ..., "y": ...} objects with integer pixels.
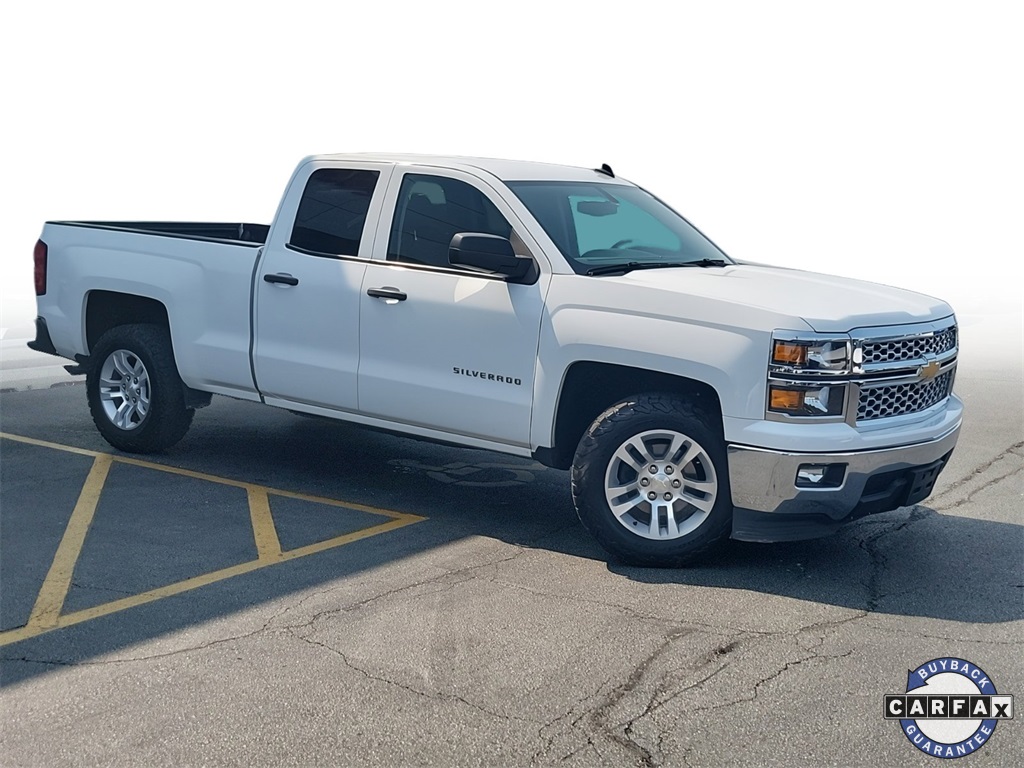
[{"x": 506, "y": 170}]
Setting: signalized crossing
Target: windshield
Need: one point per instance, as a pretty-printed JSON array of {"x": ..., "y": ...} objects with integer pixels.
[{"x": 597, "y": 224}]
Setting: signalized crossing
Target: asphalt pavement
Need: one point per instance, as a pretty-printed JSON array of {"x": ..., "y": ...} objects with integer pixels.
[{"x": 282, "y": 590}]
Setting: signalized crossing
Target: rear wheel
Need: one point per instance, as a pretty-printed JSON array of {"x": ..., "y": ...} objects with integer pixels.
[
  {"x": 136, "y": 397},
  {"x": 650, "y": 481}
]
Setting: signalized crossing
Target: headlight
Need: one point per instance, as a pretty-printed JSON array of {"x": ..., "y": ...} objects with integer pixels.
[
  {"x": 818, "y": 355},
  {"x": 811, "y": 400}
]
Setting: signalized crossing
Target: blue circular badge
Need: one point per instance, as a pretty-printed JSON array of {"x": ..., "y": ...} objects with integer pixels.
[{"x": 949, "y": 709}]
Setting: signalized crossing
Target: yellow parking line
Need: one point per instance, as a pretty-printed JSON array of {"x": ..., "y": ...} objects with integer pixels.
[
  {"x": 46, "y": 613},
  {"x": 401, "y": 519},
  {"x": 47, "y": 444},
  {"x": 55, "y": 587},
  {"x": 345, "y": 504},
  {"x": 264, "y": 531},
  {"x": 187, "y": 585},
  {"x": 203, "y": 476}
]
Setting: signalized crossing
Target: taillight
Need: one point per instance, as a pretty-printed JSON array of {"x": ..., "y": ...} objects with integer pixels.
[{"x": 39, "y": 259}]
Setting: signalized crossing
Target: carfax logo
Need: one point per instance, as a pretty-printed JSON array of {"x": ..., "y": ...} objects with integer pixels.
[{"x": 950, "y": 708}]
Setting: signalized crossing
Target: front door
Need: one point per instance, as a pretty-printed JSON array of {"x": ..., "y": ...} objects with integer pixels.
[{"x": 444, "y": 347}]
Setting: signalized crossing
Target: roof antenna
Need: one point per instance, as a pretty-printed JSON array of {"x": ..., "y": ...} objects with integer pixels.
[{"x": 606, "y": 170}]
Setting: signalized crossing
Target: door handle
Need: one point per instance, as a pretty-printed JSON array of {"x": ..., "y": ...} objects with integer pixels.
[
  {"x": 281, "y": 279},
  {"x": 388, "y": 294}
]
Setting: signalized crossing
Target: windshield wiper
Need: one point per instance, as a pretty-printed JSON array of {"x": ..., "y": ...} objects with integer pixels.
[{"x": 611, "y": 269}]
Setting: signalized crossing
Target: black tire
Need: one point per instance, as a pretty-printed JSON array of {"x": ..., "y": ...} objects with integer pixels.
[
  {"x": 166, "y": 419},
  {"x": 633, "y": 419}
]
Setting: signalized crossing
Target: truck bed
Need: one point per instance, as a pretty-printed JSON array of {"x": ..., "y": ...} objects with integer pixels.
[
  {"x": 225, "y": 232},
  {"x": 199, "y": 274}
]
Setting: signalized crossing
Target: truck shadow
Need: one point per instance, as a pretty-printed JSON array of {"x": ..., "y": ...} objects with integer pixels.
[{"x": 911, "y": 562}]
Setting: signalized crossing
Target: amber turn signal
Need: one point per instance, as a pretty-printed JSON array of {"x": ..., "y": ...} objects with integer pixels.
[
  {"x": 786, "y": 399},
  {"x": 788, "y": 353}
]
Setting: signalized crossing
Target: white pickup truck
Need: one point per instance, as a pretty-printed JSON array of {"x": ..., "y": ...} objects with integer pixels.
[{"x": 532, "y": 309}]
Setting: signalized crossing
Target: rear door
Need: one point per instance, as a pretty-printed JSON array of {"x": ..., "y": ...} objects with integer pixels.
[
  {"x": 307, "y": 285},
  {"x": 442, "y": 347}
]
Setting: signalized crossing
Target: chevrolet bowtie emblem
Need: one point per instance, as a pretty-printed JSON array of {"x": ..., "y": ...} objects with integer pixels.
[{"x": 928, "y": 371}]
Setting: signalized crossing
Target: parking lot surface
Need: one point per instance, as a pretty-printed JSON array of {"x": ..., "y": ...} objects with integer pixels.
[{"x": 279, "y": 590}]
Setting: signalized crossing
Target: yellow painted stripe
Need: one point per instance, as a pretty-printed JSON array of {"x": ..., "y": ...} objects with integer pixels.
[
  {"x": 345, "y": 504},
  {"x": 123, "y": 604},
  {"x": 46, "y": 615},
  {"x": 263, "y": 529},
  {"x": 203, "y": 476},
  {"x": 50, "y": 600},
  {"x": 401, "y": 520},
  {"x": 186, "y": 472},
  {"x": 115, "y": 606},
  {"x": 47, "y": 444}
]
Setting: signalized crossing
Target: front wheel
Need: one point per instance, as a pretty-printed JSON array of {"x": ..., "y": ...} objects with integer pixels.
[
  {"x": 136, "y": 397},
  {"x": 650, "y": 481}
]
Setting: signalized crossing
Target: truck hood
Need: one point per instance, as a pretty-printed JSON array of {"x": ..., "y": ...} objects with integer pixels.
[{"x": 826, "y": 303}]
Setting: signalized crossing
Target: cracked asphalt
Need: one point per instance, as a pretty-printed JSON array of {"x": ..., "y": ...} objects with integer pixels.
[{"x": 494, "y": 632}]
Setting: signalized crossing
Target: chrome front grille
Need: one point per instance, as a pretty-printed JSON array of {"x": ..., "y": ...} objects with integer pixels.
[
  {"x": 913, "y": 348},
  {"x": 898, "y": 399},
  {"x": 882, "y": 372}
]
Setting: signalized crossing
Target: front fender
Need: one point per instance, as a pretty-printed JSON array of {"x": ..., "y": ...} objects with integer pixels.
[{"x": 732, "y": 361}]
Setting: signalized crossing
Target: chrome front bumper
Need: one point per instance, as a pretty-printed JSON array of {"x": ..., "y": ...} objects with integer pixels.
[{"x": 769, "y": 506}]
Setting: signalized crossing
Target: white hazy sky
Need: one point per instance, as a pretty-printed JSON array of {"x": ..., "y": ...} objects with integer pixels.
[{"x": 877, "y": 140}]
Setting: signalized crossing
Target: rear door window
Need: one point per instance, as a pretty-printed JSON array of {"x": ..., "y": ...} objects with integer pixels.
[{"x": 332, "y": 212}]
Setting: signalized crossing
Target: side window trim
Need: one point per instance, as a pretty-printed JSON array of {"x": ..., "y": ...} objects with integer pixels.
[
  {"x": 323, "y": 254},
  {"x": 450, "y": 270}
]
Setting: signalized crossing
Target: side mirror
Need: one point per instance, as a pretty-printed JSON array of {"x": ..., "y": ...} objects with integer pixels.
[{"x": 489, "y": 253}]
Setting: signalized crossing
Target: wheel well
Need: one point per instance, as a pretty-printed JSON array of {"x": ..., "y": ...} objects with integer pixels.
[
  {"x": 591, "y": 388},
  {"x": 107, "y": 309}
]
